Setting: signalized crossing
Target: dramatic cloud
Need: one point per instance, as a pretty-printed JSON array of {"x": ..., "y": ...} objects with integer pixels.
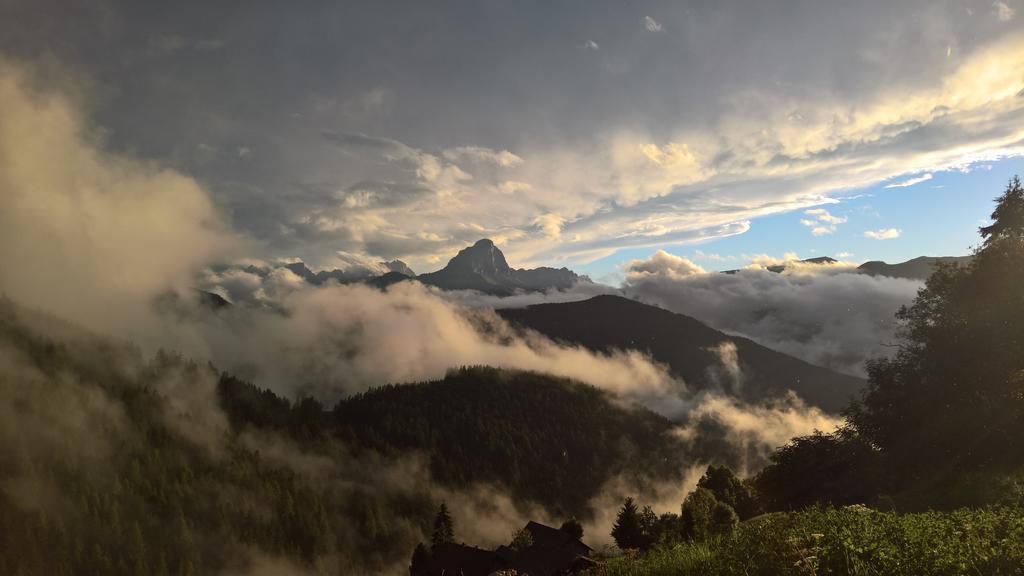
[
  {"x": 568, "y": 154},
  {"x": 825, "y": 314},
  {"x": 882, "y": 233},
  {"x": 338, "y": 340},
  {"x": 87, "y": 234},
  {"x": 664, "y": 264}
]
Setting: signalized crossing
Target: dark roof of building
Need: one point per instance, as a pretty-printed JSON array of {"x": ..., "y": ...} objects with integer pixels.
[
  {"x": 461, "y": 559},
  {"x": 552, "y": 537},
  {"x": 552, "y": 552}
]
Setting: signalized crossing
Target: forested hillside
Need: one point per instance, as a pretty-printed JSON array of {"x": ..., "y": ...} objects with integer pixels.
[
  {"x": 550, "y": 440},
  {"x": 118, "y": 464},
  {"x": 115, "y": 464}
]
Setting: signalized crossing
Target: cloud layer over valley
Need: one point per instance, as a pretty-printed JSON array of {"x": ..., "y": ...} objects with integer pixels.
[{"x": 825, "y": 314}]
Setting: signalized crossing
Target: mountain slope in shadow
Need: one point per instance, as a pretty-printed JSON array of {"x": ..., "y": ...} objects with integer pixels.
[{"x": 687, "y": 346}]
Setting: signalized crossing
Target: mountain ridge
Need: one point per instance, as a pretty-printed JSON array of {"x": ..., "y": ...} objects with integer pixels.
[{"x": 687, "y": 346}]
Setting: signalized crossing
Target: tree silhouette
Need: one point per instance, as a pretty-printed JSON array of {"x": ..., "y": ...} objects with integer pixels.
[
  {"x": 627, "y": 531},
  {"x": 950, "y": 401},
  {"x": 573, "y": 527},
  {"x": 1008, "y": 216},
  {"x": 444, "y": 527}
]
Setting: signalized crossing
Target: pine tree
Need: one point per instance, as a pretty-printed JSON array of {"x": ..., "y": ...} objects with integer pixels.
[
  {"x": 627, "y": 531},
  {"x": 444, "y": 527},
  {"x": 1008, "y": 217}
]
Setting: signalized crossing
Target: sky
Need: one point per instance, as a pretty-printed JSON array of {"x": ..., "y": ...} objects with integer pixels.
[{"x": 575, "y": 133}]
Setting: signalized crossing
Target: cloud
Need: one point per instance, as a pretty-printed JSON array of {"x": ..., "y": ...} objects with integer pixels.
[
  {"x": 716, "y": 429},
  {"x": 822, "y": 222},
  {"x": 825, "y": 314},
  {"x": 93, "y": 236},
  {"x": 1003, "y": 11},
  {"x": 911, "y": 181},
  {"x": 662, "y": 263},
  {"x": 752, "y": 433},
  {"x": 652, "y": 25},
  {"x": 502, "y": 158},
  {"x": 337, "y": 340},
  {"x": 630, "y": 190},
  {"x": 551, "y": 224},
  {"x": 678, "y": 149},
  {"x": 883, "y": 233}
]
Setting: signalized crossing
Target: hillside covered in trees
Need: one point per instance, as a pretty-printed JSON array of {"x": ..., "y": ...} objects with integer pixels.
[
  {"x": 115, "y": 463},
  {"x": 550, "y": 440}
]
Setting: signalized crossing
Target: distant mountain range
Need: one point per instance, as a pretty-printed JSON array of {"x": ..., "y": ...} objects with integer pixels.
[
  {"x": 349, "y": 275},
  {"x": 919, "y": 268},
  {"x": 778, "y": 268},
  {"x": 688, "y": 347},
  {"x": 480, "y": 267}
]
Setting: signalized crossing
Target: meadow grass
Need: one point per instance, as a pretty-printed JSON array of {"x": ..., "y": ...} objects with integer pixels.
[{"x": 853, "y": 540}]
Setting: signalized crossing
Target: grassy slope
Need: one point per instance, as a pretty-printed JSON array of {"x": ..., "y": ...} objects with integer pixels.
[{"x": 853, "y": 540}]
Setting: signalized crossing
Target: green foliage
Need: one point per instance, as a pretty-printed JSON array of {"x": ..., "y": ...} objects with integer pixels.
[
  {"x": 729, "y": 489},
  {"x": 696, "y": 514},
  {"x": 444, "y": 527},
  {"x": 723, "y": 519},
  {"x": 837, "y": 469},
  {"x": 847, "y": 541}
]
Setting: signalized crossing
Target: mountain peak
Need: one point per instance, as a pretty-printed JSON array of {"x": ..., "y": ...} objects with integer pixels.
[
  {"x": 482, "y": 258},
  {"x": 483, "y": 267}
]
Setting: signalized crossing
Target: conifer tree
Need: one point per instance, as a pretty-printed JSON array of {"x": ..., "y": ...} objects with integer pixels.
[
  {"x": 627, "y": 531},
  {"x": 444, "y": 527}
]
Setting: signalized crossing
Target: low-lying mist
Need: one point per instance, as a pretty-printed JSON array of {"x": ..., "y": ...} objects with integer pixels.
[{"x": 828, "y": 315}]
